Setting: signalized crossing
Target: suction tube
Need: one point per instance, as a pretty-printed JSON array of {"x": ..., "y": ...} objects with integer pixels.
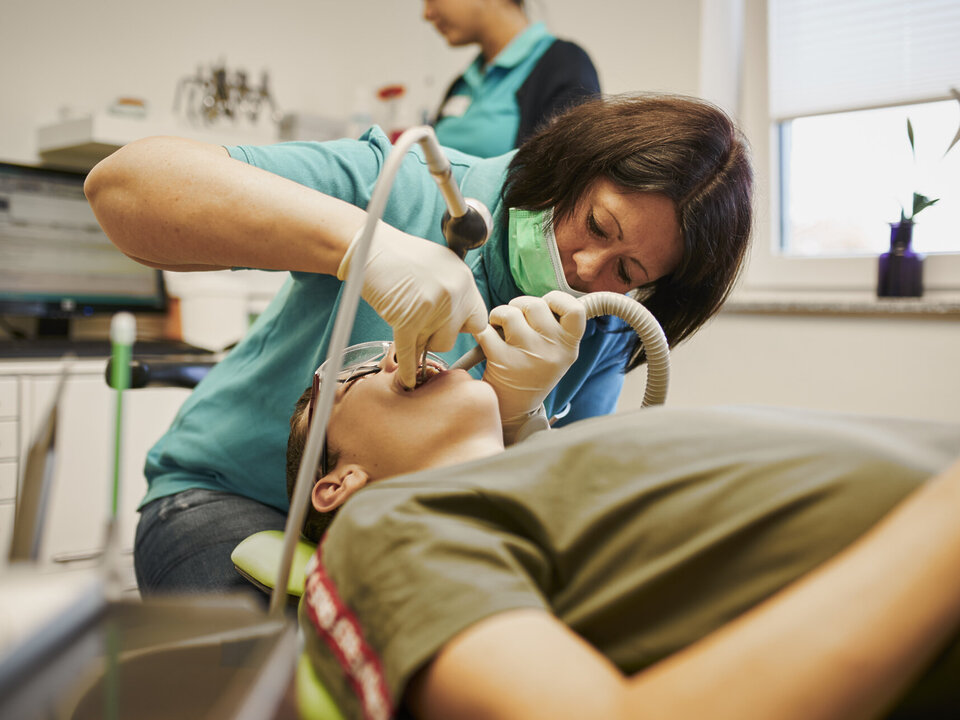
[{"x": 644, "y": 324}]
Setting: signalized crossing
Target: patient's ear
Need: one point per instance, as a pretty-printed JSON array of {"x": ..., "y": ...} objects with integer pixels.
[{"x": 333, "y": 489}]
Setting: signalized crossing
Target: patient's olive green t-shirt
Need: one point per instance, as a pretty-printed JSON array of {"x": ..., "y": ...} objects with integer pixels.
[{"x": 643, "y": 532}]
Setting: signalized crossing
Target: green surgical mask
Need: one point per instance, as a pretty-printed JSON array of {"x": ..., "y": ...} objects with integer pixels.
[{"x": 534, "y": 257}]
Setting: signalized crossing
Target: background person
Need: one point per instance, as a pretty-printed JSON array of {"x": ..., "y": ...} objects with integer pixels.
[
  {"x": 708, "y": 562},
  {"x": 522, "y": 77},
  {"x": 650, "y": 194}
]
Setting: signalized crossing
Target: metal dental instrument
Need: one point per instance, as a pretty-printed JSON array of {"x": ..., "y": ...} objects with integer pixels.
[{"x": 423, "y": 367}]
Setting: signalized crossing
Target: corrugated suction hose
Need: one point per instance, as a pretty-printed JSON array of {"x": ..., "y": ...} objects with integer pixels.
[{"x": 643, "y": 323}]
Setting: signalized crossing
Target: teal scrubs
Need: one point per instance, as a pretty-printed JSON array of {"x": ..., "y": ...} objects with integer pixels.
[
  {"x": 231, "y": 433},
  {"x": 481, "y": 115}
]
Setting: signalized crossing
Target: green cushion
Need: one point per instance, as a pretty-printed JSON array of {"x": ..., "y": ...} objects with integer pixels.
[
  {"x": 258, "y": 559},
  {"x": 313, "y": 700}
]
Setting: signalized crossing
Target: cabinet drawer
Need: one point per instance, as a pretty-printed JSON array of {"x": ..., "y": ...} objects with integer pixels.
[
  {"x": 8, "y": 439},
  {"x": 8, "y": 480},
  {"x": 8, "y": 398}
]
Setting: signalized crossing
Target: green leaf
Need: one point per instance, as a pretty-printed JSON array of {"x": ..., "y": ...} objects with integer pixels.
[
  {"x": 913, "y": 150},
  {"x": 956, "y": 138},
  {"x": 922, "y": 201}
]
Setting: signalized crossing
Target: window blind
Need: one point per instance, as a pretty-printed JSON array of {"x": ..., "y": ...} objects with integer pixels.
[{"x": 840, "y": 55}]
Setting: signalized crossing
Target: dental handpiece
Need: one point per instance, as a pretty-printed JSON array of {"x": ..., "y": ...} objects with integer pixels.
[
  {"x": 466, "y": 224},
  {"x": 423, "y": 366}
]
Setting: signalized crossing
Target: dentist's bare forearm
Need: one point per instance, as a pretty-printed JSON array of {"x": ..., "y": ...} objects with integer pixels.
[{"x": 177, "y": 204}]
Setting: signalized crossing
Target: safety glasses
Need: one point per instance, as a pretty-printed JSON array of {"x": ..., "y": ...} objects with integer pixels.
[{"x": 358, "y": 361}]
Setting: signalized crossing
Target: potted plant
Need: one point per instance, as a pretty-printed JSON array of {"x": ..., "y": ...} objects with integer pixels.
[{"x": 900, "y": 271}]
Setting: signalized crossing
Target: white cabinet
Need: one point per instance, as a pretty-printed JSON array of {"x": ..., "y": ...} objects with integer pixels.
[{"x": 80, "y": 499}]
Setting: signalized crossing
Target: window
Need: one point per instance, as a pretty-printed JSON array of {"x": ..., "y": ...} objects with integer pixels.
[
  {"x": 844, "y": 176},
  {"x": 826, "y": 90}
]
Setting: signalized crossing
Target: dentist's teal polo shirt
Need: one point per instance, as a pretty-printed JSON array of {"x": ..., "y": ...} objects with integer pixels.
[
  {"x": 480, "y": 115},
  {"x": 231, "y": 433}
]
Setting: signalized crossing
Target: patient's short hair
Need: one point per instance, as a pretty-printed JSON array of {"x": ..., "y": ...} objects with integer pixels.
[{"x": 316, "y": 523}]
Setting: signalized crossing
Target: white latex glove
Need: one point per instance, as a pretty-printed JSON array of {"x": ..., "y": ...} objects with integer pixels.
[
  {"x": 541, "y": 339},
  {"x": 423, "y": 290}
]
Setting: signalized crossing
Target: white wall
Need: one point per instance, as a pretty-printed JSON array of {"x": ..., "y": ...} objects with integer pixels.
[
  {"x": 635, "y": 44},
  {"x": 81, "y": 56},
  {"x": 60, "y": 55},
  {"x": 909, "y": 367}
]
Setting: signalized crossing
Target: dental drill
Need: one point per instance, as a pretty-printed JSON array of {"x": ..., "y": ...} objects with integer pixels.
[{"x": 466, "y": 224}]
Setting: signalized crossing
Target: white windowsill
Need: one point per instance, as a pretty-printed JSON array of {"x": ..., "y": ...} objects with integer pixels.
[{"x": 935, "y": 304}]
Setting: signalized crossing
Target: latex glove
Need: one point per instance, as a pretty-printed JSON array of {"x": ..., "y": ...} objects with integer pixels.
[
  {"x": 423, "y": 290},
  {"x": 541, "y": 340}
]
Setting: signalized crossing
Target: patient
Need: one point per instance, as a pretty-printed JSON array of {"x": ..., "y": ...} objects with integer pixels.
[{"x": 675, "y": 563}]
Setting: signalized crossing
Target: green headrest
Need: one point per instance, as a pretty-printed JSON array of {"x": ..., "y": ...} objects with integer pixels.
[
  {"x": 258, "y": 559},
  {"x": 313, "y": 700}
]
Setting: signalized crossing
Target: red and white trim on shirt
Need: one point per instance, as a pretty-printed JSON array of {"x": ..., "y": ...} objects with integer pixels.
[{"x": 341, "y": 631}]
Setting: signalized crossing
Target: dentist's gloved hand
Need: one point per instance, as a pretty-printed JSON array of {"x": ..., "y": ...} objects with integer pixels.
[
  {"x": 423, "y": 290},
  {"x": 541, "y": 339}
]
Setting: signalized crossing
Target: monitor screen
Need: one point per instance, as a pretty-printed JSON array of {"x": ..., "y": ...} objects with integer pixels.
[{"x": 55, "y": 261}]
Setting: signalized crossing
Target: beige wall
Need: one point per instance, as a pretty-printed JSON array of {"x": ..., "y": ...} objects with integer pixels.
[
  {"x": 80, "y": 57},
  {"x": 908, "y": 367}
]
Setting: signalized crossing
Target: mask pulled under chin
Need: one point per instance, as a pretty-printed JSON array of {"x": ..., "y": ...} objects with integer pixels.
[{"x": 534, "y": 257}]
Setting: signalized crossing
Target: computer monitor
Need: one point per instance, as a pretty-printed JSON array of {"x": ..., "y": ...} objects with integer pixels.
[{"x": 55, "y": 261}]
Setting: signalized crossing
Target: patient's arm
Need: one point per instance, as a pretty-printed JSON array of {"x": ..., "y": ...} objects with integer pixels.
[
  {"x": 177, "y": 204},
  {"x": 843, "y": 642}
]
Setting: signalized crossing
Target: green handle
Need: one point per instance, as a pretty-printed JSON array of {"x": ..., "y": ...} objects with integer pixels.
[{"x": 120, "y": 380}]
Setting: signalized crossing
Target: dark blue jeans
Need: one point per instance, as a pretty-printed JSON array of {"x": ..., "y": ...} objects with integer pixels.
[{"x": 184, "y": 541}]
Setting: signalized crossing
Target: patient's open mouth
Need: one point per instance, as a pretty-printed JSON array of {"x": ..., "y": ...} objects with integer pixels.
[
  {"x": 425, "y": 373},
  {"x": 430, "y": 371}
]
